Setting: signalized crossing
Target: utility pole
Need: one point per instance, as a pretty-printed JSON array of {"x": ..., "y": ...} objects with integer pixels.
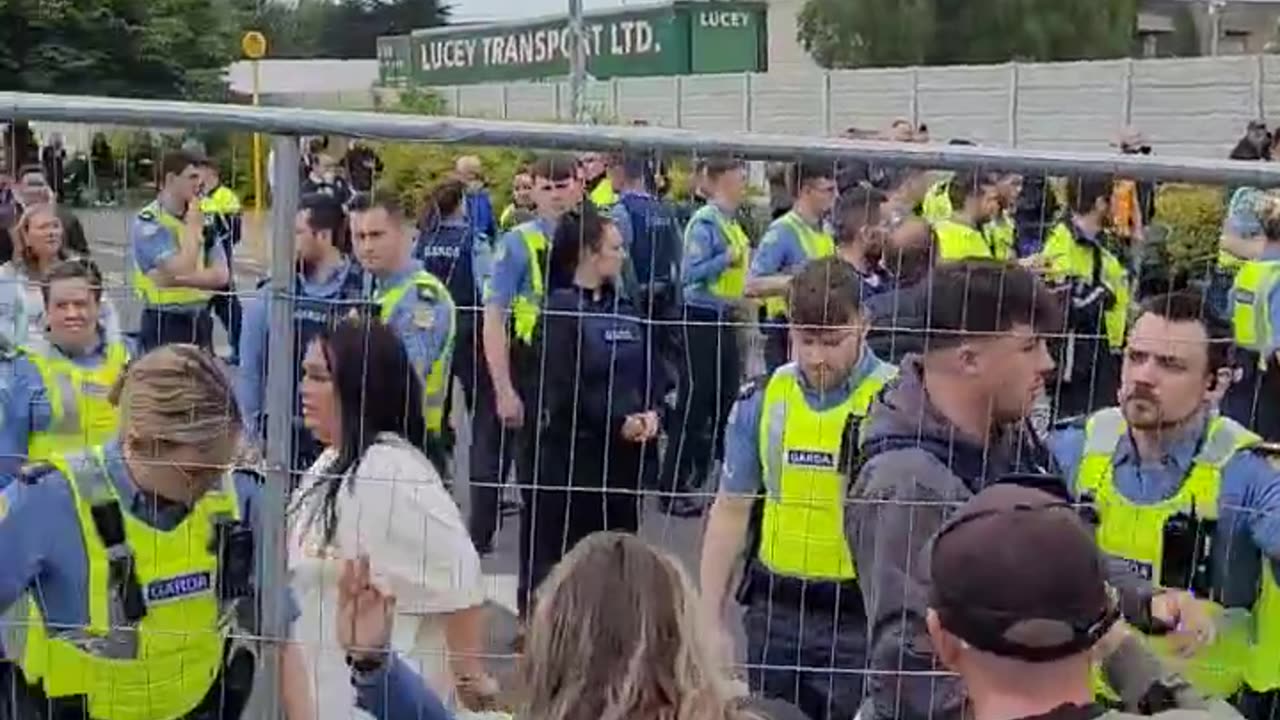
[
  {"x": 577, "y": 63},
  {"x": 1215, "y": 24}
]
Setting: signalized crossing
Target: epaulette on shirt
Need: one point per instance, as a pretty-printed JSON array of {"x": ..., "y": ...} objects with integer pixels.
[
  {"x": 33, "y": 474},
  {"x": 1075, "y": 422},
  {"x": 753, "y": 386},
  {"x": 1270, "y": 451},
  {"x": 147, "y": 214}
]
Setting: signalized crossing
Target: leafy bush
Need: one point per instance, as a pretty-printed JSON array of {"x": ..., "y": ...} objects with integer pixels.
[
  {"x": 1192, "y": 216},
  {"x": 410, "y": 170}
]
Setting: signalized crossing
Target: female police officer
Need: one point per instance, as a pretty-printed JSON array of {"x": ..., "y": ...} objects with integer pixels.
[
  {"x": 121, "y": 563},
  {"x": 598, "y": 401}
]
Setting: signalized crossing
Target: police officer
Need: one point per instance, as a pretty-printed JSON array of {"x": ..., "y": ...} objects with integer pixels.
[
  {"x": 57, "y": 400},
  {"x": 599, "y": 424},
  {"x": 1188, "y": 498},
  {"x": 1255, "y": 311},
  {"x": 1075, "y": 257},
  {"x": 521, "y": 276},
  {"x": 411, "y": 301},
  {"x": 714, "y": 272},
  {"x": 328, "y": 287},
  {"x": 973, "y": 195},
  {"x": 781, "y": 503},
  {"x": 451, "y": 249},
  {"x": 131, "y": 565},
  {"x": 224, "y": 225},
  {"x": 520, "y": 209},
  {"x": 595, "y": 172},
  {"x": 794, "y": 239},
  {"x": 172, "y": 273}
]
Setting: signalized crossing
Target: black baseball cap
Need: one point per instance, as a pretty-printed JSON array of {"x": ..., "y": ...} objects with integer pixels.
[{"x": 1016, "y": 573}]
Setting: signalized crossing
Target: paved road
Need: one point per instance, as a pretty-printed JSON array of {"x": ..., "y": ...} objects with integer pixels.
[{"x": 107, "y": 231}]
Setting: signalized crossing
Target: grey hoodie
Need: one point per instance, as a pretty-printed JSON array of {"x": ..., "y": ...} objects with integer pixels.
[{"x": 898, "y": 502}]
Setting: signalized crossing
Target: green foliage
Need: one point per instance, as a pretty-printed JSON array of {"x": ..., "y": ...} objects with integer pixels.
[
  {"x": 1192, "y": 215},
  {"x": 420, "y": 101},
  {"x": 340, "y": 28},
  {"x": 410, "y": 170},
  {"x": 139, "y": 48},
  {"x": 858, "y": 33}
]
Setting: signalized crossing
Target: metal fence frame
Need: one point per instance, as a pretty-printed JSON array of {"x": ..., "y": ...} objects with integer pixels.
[{"x": 287, "y": 124}]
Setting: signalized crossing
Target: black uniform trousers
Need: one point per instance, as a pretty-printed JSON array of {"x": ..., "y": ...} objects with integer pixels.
[
  {"x": 695, "y": 434},
  {"x": 162, "y": 327},
  {"x": 493, "y": 447},
  {"x": 1254, "y": 399}
]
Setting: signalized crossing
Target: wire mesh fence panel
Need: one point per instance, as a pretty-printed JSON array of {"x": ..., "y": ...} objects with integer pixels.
[{"x": 462, "y": 347}]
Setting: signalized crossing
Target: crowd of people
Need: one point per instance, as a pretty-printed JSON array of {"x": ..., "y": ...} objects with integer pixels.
[{"x": 977, "y": 445}]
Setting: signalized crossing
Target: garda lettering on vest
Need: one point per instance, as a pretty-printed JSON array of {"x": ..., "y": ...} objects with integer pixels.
[
  {"x": 811, "y": 458},
  {"x": 622, "y": 334},
  {"x": 441, "y": 251},
  {"x": 1142, "y": 569},
  {"x": 176, "y": 588},
  {"x": 1245, "y": 297}
]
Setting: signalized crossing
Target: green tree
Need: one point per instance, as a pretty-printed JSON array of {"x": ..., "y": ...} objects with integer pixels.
[
  {"x": 338, "y": 28},
  {"x": 140, "y": 48},
  {"x": 858, "y": 33}
]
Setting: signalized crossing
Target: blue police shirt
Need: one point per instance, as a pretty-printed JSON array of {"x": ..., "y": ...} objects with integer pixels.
[
  {"x": 44, "y": 545},
  {"x": 742, "y": 473},
  {"x": 27, "y": 410},
  {"x": 706, "y": 255},
  {"x": 511, "y": 265},
  {"x": 1249, "y": 501},
  {"x": 152, "y": 243},
  {"x": 425, "y": 329},
  {"x": 251, "y": 376},
  {"x": 1272, "y": 253},
  {"x": 780, "y": 251}
]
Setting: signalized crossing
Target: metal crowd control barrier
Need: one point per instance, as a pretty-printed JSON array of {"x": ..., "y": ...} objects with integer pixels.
[{"x": 288, "y": 123}]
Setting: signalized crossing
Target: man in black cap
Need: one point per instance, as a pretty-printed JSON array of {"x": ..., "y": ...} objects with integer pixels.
[{"x": 1019, "y": 606}]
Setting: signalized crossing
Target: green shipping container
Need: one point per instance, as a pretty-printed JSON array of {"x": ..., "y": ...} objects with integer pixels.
[{"x": 673, "y": 39}]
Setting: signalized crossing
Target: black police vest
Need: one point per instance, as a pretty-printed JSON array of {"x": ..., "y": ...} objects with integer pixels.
[
  {"x": 314, "y": 314},
  {"x": 613, "y": 370},
  {"x": 446, "y": 252},
  {"x": 656, "y": 239}
]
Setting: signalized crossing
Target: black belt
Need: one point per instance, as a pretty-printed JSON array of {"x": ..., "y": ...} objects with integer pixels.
[{"x": 809, "y": 595}]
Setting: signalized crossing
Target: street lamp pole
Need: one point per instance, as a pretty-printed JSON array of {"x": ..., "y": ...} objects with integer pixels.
[{"x": 577, "y": 63}]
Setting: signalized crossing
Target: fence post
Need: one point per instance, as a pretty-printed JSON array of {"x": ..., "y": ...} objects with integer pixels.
[
  {"x": 555, "y": 101},
  {"x": 826, "y": 102},
  {"x": 746, "y": 102},
  {"x": 1260, "y": 86},
  {"x": 279, "y": 408},
  {"x": 677, "y": 101},
  {"x": 504, "y": 101},
  {"x": 1126, "y": 108},
  {"x": 615, "y": 100},
  {"x": 457, "y": 100},
  {"x": 914, "y": 108},
  {"x": 1013, "y": 105}
]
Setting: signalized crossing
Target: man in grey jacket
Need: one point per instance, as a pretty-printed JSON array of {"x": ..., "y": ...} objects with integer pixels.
[{"x": 954, "y": 423}]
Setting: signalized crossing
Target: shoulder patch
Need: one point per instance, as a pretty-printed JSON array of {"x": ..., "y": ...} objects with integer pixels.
[
  {"x": 33, "y": 474},
  {"x": 1076, "y": 422},
  {"x": 753, "y": 386}
]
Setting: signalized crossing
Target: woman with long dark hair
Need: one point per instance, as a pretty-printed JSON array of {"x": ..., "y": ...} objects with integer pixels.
[{"x": 373, "y": 491}]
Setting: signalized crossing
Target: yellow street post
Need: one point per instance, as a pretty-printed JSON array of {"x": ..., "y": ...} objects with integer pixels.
[{"x": 254, "y": 45}]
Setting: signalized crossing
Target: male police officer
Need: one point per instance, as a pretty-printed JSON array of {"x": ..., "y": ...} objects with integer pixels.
[
  {"x": 172, "y": 272},
  {"x": 57, "y": 402},
  {"x": 974, "y": 199},
  {"x": 130, "y": 566},
  {"x": 221, "y": 208},
  {"x": 519, "y": 284},
  {"x": 716, "y": 256},
  {"x": 327, "y": 288},
  {"x": 791, "y": 241},
  {"x": 784, "y": 446},
  {"x": 1255, "y": 316},
  {"x": 411, "y": 301},
  {"x": 1185, "y": 496}
]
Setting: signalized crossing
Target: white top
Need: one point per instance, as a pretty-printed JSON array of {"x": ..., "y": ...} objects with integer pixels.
[{"x": 395, "y": 508}]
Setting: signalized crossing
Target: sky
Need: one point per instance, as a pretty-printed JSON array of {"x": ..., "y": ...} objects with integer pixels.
[{"x": 491, "y": 10}]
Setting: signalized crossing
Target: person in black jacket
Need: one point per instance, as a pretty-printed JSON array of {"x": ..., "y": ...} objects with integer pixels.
[{"x": 598, "y": 423}]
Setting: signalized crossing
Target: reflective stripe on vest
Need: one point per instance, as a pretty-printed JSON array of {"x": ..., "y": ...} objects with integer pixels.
[
  {"x": 435, "y": 385},
  {"x": 731, "y": 281},
  {"x": 814, "y": 244},
  {"x": 1135, "y": 532},
  {"x": 957, "y": 241},
  {"x": 80, "y": 415},
  {"x": 147, "y": 289},
  {"x": 526, "y": 308},
  {"x": 162, "y": 667},
  {"x": 802, "y": 526},
  {"x": 1250, "y": 304}
]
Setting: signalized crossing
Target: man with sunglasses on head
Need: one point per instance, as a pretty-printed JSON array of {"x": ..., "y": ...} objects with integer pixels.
[
  {"x": 1023, "y": 633},
  {"x": 1187, "y": 497}
]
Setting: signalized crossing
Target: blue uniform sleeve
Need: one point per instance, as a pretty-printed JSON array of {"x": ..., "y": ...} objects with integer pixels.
[
  {"x": 215, "y": 256},
  {"x": 251, "y": 376},
  {"x": 742, "y": 473},
  {"x": 706, "y": 254},
  {"x": 510, "y": 271},
  {"x": 1273, "y": 307},
  {"x": 396, "y": 691},
  {"x": 424, "y": 329},
  {"x": 26, "y": 411},
  {"x": 152, "y": 244},
  {"x": 33, "y": 517},
  {"x": 1067, "y": 446},
  {"x": 778, "y": 252},
  {"x": 1261, "y": 499},
  {"x": 1242, "y": 213},
  {"x": 622, "y": 220}
]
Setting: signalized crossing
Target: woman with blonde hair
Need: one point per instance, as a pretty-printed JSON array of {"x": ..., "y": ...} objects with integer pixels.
[
  {"x": 38, "y": 245},
  {"x": 614, "y": 635},
  {"x": 128, "y": 560}
]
